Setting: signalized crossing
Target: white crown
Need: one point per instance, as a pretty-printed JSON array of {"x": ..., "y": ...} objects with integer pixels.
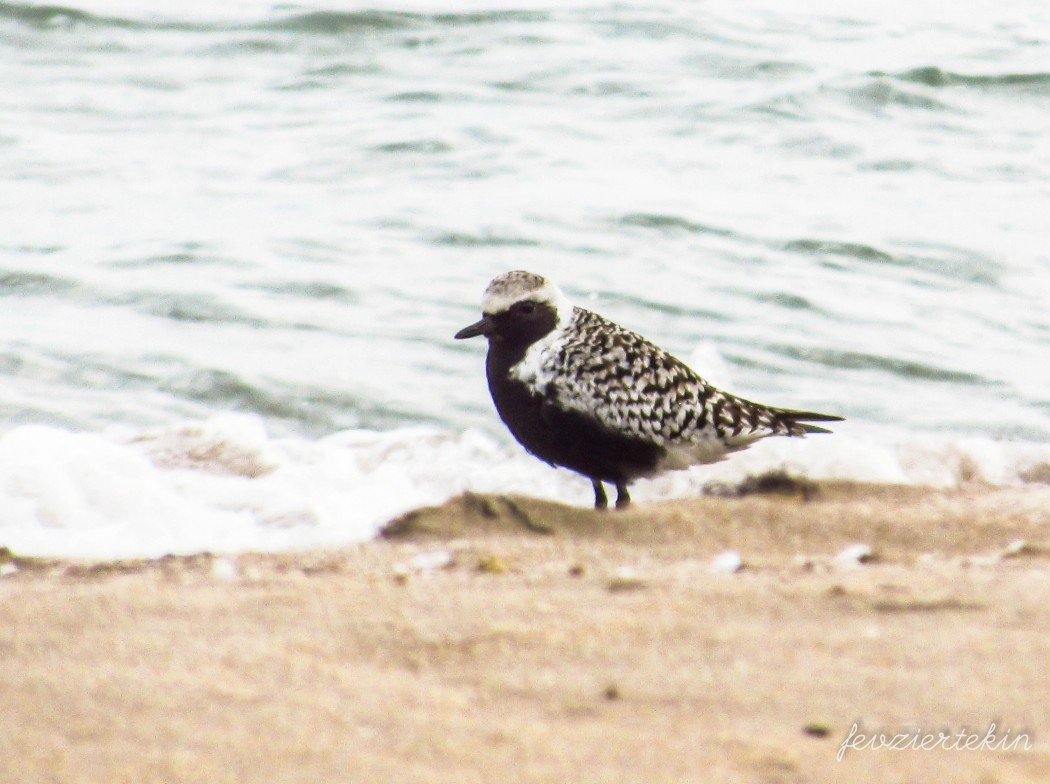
[{"x": 519, "y": 285}]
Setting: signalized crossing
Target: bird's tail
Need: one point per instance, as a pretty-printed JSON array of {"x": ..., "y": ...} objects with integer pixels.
[{"x": 796, "y": 423}]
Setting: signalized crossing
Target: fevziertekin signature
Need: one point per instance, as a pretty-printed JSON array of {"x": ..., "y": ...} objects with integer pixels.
[{"x": 917, "y": 739}]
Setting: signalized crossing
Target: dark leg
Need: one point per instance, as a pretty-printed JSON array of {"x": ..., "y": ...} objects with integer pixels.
[
  {"x": 623, "y": 498},
  {"x": 600, "y": 499}
]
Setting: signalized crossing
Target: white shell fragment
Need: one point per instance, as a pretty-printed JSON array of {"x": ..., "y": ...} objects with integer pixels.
[
  {"x": 728, "y": 562},
  {"x": 424, "y": 563},
  {"x": 1015, "y": 548},
  {"x": 224, "y": 569},
  {"x": 855, "y": 555},
  {"x": 625, "y": 578}
]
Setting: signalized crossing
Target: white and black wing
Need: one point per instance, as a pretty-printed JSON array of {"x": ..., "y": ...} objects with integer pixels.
[{"x": 633, "y": 387}]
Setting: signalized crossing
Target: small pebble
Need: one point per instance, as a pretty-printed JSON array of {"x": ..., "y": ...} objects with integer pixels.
[
  {"x": 804, "y": 562},
  {"x": 8, "y": 569},
  {"x": 816, "y": 729},
  {"x": 491, "y": 564}
]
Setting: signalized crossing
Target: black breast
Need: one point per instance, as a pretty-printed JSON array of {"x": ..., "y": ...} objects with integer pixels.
[{"x": 563, "y": 437}]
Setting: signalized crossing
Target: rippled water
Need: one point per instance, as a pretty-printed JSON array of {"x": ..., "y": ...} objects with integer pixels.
[{"x": 288, "y": 209}]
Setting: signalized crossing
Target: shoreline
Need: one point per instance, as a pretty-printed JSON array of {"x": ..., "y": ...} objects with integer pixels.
[{"x": 532, "y": 641}]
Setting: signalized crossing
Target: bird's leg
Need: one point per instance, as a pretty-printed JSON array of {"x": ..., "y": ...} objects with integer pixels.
[
  {"x": 623, "y": 498},
  {"x": 601, "y": 501}
]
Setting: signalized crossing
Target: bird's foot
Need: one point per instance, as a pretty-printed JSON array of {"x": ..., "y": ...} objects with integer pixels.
[{"x": 601, "y": 500}]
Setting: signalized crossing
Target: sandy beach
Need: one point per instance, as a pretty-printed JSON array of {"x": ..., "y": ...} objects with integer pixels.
[{"x": 511, "y": 639}]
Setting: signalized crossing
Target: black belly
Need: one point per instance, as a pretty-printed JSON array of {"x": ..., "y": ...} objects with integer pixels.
[{"x": 568, "y": 438}]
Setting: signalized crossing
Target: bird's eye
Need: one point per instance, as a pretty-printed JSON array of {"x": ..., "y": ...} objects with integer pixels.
[{"x": 526, "y": 308}]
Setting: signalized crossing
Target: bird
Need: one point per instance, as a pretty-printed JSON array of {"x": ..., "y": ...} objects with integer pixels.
[{"x": 581, "y": 392}]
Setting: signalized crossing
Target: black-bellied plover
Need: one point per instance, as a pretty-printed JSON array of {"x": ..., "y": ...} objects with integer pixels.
[{"x": 579, "y": 391}]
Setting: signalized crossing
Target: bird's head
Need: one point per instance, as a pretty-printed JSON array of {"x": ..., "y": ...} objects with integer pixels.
[{"x": 519, "y": 308}]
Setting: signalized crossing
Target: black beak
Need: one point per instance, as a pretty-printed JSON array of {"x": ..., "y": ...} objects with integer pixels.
[{"x": 483, "y": 327}]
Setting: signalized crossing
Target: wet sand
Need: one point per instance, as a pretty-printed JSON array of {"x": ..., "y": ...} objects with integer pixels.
[{"x": 496, "y": 639}]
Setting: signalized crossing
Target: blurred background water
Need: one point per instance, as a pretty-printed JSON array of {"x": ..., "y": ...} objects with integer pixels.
[{"x": 286, "y": 210}]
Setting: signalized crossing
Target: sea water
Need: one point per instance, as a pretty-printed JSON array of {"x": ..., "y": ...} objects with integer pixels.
[{"x": 236, "y": 240}]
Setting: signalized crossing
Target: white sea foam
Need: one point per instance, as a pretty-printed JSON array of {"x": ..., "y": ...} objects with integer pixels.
[{"x": 225, "y": 485}]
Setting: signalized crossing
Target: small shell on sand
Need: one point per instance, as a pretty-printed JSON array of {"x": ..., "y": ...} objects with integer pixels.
[
  {"x": 424, "y": 563},
  {"x": 854, "y": 555},
  {"x": 625, "y": 578},
  {"x": 727, "y": 562}
]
